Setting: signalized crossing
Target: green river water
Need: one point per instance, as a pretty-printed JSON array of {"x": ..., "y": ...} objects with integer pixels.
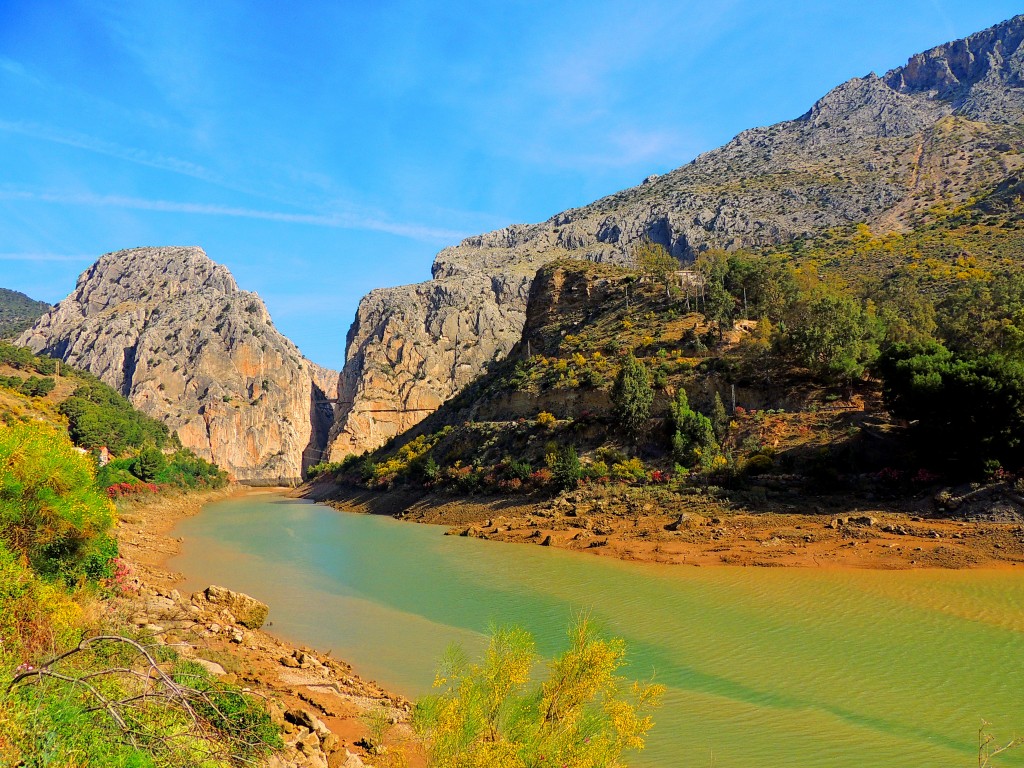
[{"x": 764, "y": 667}]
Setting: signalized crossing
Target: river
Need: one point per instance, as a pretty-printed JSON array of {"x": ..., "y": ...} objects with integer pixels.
[{"x": 764, "y": 667}]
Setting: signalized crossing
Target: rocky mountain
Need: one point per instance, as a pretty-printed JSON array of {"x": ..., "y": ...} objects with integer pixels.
[
  {"x": 18, "y": 312},
  {"x": 877, "y": 150},
  {"x": 171, "y": 330}
]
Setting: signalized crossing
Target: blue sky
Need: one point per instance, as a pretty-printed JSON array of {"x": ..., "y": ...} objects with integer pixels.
[{"x": 321, "y": 149}]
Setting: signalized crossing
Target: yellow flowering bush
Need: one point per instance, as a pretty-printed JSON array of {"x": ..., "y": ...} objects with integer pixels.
[{"x": 584, "y": 715}]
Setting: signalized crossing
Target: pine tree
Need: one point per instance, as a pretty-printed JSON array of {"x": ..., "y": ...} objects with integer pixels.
[
  {"x": 632, "y": 396},
  {"x": 719, "y": 418},
  {"x": 150, "y": 463}
]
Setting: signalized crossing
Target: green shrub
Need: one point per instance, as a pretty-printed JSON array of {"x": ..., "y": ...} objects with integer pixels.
[
  {"x": 45, "y": 728},
  {"x": 36, "y": 617},
  {"x": 186, "y": 470},
  {"x": 693, "y": 434},
  {"x": 964, "y": 410},
  {"x": 116, "y": 471},
  {"x": 50, "y": 509},
  {"x": 758, "y": 464},
  {"x": 630, "y": 471},
  {"x": 519, "y": 470},
  {"x": 36, "y": 387},
  {"x": 610, "y": 455},
  {"x": 324, "y": 468},
  {"x": 566, "y": 470},
  {"x": 241, "y": 717},
  {"x": 149, "y": 463},
  {"x": 23, "y": 359}
]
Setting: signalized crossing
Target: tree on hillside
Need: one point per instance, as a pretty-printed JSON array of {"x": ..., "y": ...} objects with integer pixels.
[
  {"x": 833, "y": 335},
  {"x": 719, "y": 306},
  {"x": 719, "y": 418},
  {"x": 964, "y": 410},
  {"x": 632, "y": 396},
  {"x": 985, "y": 316},
  {"x": 653, "y": 259},
  {"x": 149, "y": 464},
  {"x": 762, "y": 286}
]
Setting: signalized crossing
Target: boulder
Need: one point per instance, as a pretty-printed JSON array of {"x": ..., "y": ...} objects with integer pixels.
[
  {"x": 248, "y": 611},
  {"x": 211, "y": 666}
]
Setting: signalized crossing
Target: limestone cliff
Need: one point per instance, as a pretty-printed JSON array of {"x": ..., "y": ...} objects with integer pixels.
[
  {"x": 171, "y": 330},
  {"x": 874, "y": 150}
]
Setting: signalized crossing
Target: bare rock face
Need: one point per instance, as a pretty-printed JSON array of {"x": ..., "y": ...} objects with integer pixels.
[
  {"x": 874, "y": 150},
  {"x": 413, "y": 347},
  {"x": 171, "y": 330}
]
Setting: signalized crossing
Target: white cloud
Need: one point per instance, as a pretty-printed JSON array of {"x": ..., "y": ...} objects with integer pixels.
[
  {"x": 335, "y": 220},
  {"x": 93, "y": 144}
]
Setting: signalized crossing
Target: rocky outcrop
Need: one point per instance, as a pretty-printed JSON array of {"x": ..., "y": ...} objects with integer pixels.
[
  {"x": 413, "y": 347},
  {"x": 241, "y": 608},
  {"x": 874, "y": 149},
  {"x": 171, "y": 330}
]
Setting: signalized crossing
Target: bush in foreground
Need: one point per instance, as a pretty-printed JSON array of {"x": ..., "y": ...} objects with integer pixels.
[
  {"x": 50, "y": 509},
  {"x": 583, "y": 715}
]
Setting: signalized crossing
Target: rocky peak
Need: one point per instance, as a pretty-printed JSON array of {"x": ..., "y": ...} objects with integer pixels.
[
  {"x": 171, "y": 330},
  {"x": 116, "y": 277},
  {"x": 979, "y": 75}
]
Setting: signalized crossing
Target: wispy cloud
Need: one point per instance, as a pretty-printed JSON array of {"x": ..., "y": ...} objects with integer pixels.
[
  {"x": 16, "y": 68},
  {"x": 334, "y": 220},
  {"x": 93, "y": 144}
]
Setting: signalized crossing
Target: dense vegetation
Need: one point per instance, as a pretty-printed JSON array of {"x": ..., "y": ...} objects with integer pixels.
[
  {"x": 82, "y": 689},
  {"x": 18, "y": 312},
  {"x": 181, "y": 469},
  {"x": 51, "y": 513},
  {"x": 97, "y": 415}
]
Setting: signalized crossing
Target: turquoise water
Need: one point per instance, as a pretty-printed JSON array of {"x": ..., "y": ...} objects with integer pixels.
[{"x": 764, "y": 667}]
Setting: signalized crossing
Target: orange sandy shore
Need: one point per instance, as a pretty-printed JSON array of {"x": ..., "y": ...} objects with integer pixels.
[{"x": 697, "y": 532}]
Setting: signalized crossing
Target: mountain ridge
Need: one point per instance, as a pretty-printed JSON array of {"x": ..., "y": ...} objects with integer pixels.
[{"x": 878, "y": 150}]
